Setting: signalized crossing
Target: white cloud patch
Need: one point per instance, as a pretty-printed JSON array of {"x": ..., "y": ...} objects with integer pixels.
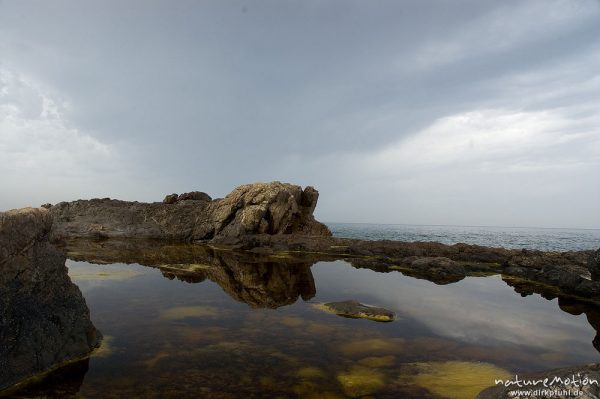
[
  {"x": 495, "y": 139},
  {"x": 39, "y": 146}
]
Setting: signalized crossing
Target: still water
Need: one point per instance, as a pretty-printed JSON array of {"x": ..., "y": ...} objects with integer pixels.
[{"x": 252, "y": 331}]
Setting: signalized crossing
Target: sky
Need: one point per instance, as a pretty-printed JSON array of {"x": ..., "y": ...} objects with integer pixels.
[{"x": 419, "y": 112}]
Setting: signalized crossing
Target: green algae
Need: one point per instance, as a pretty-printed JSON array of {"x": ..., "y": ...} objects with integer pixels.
[
  {"x": 452, "y": 379},
  {"x": 372, "y": 347},
  {"x": 183, "y": 312},
  {"x": 360, "y": 381},
  {"x": 311, "y": 372},
  {"x": 106, "y": 348},
  {"x": 103, "y": 274},
  {"x": 378, "y": 361},
  {"x": 359, "y": 315},
  {"x": 188, "y": 267}
]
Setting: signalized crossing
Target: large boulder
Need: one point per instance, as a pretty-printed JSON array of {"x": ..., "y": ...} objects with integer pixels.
[
  {"x": 44, "y": 320},
  {"x": 260, "y": 208},
  {"x": 267, "y": 208}
]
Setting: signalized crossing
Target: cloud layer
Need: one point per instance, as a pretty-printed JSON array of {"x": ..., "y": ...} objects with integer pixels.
[{"x": 474, "y": 112}]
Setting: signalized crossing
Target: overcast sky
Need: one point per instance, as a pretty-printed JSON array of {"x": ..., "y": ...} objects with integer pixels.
[{"x": 430, "y": 112}]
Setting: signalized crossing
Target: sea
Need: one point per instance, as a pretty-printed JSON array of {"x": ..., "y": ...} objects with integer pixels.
[{"x": 544, "y": 239}]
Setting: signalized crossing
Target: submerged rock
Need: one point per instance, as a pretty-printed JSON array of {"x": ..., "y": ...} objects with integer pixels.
[
  {"x": 357, "y": 310},
  {"x": 451, "y": 379},
  {"x": 44, "y": 320},
  {"x": 260, "y": 208}
]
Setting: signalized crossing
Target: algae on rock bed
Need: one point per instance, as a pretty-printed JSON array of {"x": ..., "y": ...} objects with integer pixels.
[{"x": 452, "y": 379}]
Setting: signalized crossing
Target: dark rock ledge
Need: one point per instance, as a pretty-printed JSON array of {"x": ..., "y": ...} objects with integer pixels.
[{"x": 44, "y": 320}]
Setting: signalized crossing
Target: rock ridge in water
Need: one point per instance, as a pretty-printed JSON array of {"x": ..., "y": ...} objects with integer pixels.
[
  {"x": 44, "y": 320},
  {"x": 259, "y": 208}
]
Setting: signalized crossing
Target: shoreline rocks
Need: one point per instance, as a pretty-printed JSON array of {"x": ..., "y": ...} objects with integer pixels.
[
  {"x": 271, "y": 217},
  {"x": 44, "y": 320},
  {"x": 260, "y": 208}
]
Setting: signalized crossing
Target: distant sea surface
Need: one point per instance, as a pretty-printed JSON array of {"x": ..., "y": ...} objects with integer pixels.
[{"x": 544, "y": 239}]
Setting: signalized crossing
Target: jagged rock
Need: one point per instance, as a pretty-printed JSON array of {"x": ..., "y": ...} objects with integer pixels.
[
  {"x": 194, "y": 196},
  {"x": 579, "y": 379},
  {"x": 594, "y": 265},
  {"x": 260, "y": 208},
  {"x": 44, "y": 320},
  {"x": 357, "y": 310},
  {"x": 171, "y": 199},
  {"x": 47, "y": 206}
]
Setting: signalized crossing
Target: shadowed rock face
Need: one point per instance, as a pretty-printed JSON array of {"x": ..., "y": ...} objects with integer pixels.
[
  {"x": 260, "y": 208},
  {"x": 44, "y": 320}
]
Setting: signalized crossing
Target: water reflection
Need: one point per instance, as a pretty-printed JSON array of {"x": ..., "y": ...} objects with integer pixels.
[
  {"x": 271, "y": 281},
  {"x": 175, "y": 332}
]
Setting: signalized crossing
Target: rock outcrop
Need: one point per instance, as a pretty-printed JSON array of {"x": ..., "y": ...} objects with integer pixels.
[
  {"x": 357, "y": 310},
  {"x": 260, "y": 208},
  {"x": 44, "y": 320}
]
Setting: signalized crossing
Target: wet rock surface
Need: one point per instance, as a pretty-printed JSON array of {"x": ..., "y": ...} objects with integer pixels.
[
  {"x": 357, "y": 310},
  {"x": 572, "y": 379},
  {"x": 260, "y": 208},
  {"x": 594, "y": 265},
  {"x": 44, "y": 320}
]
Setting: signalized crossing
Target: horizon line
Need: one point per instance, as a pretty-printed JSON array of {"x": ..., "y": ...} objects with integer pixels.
[{"x": 467, "y": 225}]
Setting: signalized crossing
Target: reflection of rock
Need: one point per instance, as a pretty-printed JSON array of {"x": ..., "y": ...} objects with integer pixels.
[
  {"x": 264, "y": 284},
  {"x": 591, "y": 311},
  {"x": 357, "y": 310},
  {"x": 64, "y": 382},
  {"x": 260, "y": 208},
  {"x": 577, "y": 377},
  {"x": 566, "y": 271},
  {"x": 44, "y": 321},
  {"x": 260, "y": 280}
]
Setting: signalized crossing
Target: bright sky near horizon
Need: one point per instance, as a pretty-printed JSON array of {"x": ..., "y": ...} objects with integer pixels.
[{"x": 428, "y": 112}]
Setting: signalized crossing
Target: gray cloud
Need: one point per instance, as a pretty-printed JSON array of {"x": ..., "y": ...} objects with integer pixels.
[{"x": 373, "y": 104}]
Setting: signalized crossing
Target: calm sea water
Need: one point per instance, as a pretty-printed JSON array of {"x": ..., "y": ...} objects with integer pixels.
[{"x": 506, "y": 237}]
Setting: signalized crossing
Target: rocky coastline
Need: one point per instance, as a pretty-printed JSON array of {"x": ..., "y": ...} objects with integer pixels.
[
  {"x": 267, "y": 228},
  {"x": 278, "y": 217}
]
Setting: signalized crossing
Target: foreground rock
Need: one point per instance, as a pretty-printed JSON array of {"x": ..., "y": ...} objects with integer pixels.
[
  {"x": 357, "y": 310},
  {"x": 44, "y": 320},
  {"x": 260, "y": 208},
  {"x": 561, "y": 383}
]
